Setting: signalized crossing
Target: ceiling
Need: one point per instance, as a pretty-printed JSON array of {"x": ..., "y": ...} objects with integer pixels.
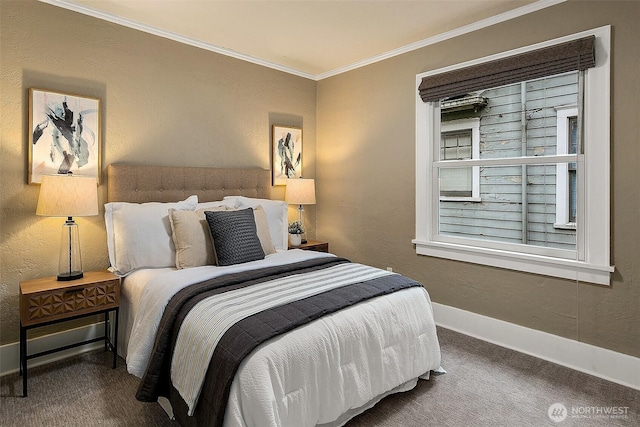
[{"x": 313, "y": 39}]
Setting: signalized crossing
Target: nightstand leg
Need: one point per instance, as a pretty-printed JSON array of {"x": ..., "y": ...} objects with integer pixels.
[
  {"x": 106, "y": 330},
  {"x": 115, "y": 339},
  {"x": 23, "y": 359},
  {"x": 21, "y": 352}
]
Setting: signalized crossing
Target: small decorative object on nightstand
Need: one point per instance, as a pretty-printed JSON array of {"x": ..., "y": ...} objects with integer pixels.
[
  {"x": 313, "y": 245},
  {"x": 47, "y": 301},
  {"x": 295, "y": 233}
]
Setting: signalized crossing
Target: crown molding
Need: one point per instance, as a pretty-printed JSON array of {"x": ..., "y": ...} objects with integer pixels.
[
  {"x": 75, "y": 7},
  {"x": 484, "y": 23},
  {"x": 478, "y": 25}
]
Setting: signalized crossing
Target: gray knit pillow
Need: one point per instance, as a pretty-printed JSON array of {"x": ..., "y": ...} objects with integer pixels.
[{"x": 234, "y": 235}]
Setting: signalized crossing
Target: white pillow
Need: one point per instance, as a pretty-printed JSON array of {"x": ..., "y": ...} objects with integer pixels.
[
  {"x": 277, "y": 217},
  {"x": 139, "y": 234},
  {"x": 216, "y": 204}
]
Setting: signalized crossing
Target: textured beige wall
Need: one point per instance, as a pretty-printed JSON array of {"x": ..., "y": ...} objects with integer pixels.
[
  {"x": 366, "y": 169},
  {"x": 164, "y": 103}
]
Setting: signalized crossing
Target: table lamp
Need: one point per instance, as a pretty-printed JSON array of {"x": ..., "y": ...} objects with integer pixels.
[
  {"x": 301, "y": 191},
  {"x": 68, "y": 196}
]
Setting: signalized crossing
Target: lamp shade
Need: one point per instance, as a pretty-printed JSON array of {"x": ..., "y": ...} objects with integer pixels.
[
  {"x": 68, "y": 196},
  {"x": 301, "y": 191}
]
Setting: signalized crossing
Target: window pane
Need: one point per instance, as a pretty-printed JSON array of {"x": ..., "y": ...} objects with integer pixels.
[
  {"x": 573, "y": 135},
  {"x": 573, "y": 139},
  {"x": 456, "y": 182},
  {"x": 464, "y": 152},
  {"x": 542, "y": 97},
  {"x": 499, "y": 216},
  {"x": 456, "y": 145},
  {"x": 506, "y": 130},
  {"x": 573, "y": 183},
  {"x": 573, "y": 195}
]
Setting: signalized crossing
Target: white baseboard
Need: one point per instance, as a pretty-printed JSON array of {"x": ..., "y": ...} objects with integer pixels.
[
  {"x": 10, "y": 353},
  {"x": 607, "y": 364}
]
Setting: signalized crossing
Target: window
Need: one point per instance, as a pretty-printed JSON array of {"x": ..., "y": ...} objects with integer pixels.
[
  {"x": 542, "y": 184},
  {"x": 567, "y": 184},
  {"x": 460, "y": 140}
]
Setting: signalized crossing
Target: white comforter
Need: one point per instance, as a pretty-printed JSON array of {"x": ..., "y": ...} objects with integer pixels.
[{"x": 322, "y": 373}]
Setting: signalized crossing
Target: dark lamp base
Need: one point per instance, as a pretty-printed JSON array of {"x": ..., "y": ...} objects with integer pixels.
[{"x": 73, "y": 275}]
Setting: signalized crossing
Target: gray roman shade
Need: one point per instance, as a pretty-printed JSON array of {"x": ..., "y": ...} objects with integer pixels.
[{"x": 569, "y": 56}]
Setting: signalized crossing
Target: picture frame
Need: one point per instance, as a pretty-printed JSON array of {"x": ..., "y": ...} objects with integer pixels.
[
  {"x": 286, "y": 158},
  {"x": 65, "y": 134}
]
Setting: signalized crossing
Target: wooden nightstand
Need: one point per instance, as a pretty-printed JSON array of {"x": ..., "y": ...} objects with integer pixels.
[
  {"x": 46, "y": 301},
  {"x": 313, "y": 245}
]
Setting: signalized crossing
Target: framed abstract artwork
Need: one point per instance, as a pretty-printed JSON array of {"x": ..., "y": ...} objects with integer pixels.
[
  {"x": 286, "y": 158},
  {"x": 64, "y": 135}
]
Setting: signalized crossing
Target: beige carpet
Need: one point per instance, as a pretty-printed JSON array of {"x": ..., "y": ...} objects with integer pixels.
[{"x": 486, "y": 385}]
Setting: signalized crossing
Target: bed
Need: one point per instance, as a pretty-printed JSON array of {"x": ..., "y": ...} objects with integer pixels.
[{"x": 289, "y": 338}]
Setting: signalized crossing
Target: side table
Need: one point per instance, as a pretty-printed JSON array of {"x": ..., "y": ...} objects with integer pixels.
[
  {"x": 313, "y": 245},
  {"x": 47, "y": 301}
]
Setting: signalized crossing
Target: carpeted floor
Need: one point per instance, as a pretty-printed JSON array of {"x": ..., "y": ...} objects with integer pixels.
[{"x": 486, "y": 385}]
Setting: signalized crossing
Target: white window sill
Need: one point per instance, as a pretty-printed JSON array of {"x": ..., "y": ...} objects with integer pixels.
[
  {"x": 460, "y": 199},
  {"x": 567, "y": 226},
  {"x": 537, "y": 264}
]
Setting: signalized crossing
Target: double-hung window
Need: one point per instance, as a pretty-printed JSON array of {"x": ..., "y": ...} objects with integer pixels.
[
  {"x": 460, "y": 140},
  {"x": 512, "y": 159}
]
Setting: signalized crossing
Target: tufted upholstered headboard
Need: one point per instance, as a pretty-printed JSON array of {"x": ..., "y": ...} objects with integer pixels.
[{"x": 142, "y": 183}]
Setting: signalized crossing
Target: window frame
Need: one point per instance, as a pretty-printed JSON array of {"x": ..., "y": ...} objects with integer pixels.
[
  {"x": 472, "y": 124},
  {"x": 591, "y": 260}
]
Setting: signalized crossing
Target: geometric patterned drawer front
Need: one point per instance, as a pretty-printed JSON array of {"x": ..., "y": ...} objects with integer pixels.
[{"x": 55, "y": 303}]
